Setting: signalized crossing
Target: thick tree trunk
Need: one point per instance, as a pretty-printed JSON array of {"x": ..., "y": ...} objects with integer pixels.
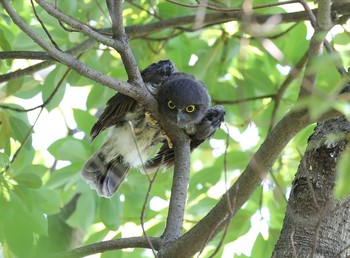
[{"x": 315, "y": 225}]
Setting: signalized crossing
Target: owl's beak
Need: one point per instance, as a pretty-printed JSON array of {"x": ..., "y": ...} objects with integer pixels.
[{"x": 180, "y": 118}]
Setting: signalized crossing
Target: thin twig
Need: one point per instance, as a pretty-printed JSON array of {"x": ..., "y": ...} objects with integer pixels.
[
  {"x": 42, "y": 106},
  {"x": 26, "y": 137},
  {"x": 294, "y": 73},
  {"x": 46, "y": 102},
  {"x": 228, "y": 196},
  {"x": 53, "y": 11},
  {"x": 220, "y": 9},
  {"x": 151, "y": 180},
  {"x": 143, "y": 212},
  {"x": 81, "y": 68},
  {"x": 238, "y": 101},
  {"x": 63, "y": 26},
  {"x": 43, "y": 26},
  {"x": 153, "y": 13}
]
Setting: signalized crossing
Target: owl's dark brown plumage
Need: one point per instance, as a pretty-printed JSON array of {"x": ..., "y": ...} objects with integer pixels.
[{"x": 134, "y": 134}]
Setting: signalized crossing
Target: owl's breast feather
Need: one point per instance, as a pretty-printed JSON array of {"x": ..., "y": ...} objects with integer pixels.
[{"x": 135, "y": 143}]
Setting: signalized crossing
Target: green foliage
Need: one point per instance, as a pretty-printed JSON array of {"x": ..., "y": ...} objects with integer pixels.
[
  {"x": 342, "y": 190},
  {"x": 40, "y": 183}
]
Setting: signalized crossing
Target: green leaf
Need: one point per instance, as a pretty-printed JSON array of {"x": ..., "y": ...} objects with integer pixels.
[
  {"x": 54, "y": 86},
  {"x": 6, "y": 18},
  {"x": 261, "y": 248},
  {"x": 22, "y": 226},
  {"x": 19, "y": 235},
  {"x": 342, "y": 188},
  {"x": 20, "y": 130},
  {"x": 111, "y": 212},
  {"x": 84, "y": 120},
  {"x": 293, "y": 52},
  {"x": 84, "y": 214},
  {"x": 70, "y": 149},
  {"x": 4, "y": 44},
  {"x": 29, "y": 180},
  {"x": 99, "y": 96},
  {"x": 48, "y": 201},
  {"x": 14, "y": 86},
  {"x": 64, "y": 175},
  {"x": 4, "y": 160}
]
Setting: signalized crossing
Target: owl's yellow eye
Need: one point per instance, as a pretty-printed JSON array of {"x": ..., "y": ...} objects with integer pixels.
[
  {"x": 171, "y": 105},
  {"x": 190, "y": 108}
]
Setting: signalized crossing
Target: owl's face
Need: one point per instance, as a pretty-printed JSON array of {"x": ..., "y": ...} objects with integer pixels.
[{"x": 183, "y": 100}]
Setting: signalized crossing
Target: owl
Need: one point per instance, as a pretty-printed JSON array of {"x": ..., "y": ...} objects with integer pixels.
[{"x": 134, "y": 134}]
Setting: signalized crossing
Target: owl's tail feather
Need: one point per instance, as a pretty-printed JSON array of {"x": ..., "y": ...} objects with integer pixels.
[{"x": 104, "y": 177}]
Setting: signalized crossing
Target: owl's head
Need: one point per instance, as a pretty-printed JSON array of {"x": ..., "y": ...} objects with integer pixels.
[{"x": 183, "y": 99}]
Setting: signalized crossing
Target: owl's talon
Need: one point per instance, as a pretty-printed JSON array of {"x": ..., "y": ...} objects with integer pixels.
[
  {"x": 137, "y": 130},
  {"x": 150, "y": 119},
  {"x": 167, "y": 138}
]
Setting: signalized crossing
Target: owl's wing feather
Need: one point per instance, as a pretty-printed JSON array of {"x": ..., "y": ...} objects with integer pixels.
[
  {"x": 205, "y": 129},
  {"x": 208, "y": 126},
  {"x": 115, "y": 110},
  {"x": 156, "y": 73}
]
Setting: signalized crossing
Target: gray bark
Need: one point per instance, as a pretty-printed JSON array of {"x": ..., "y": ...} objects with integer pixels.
[{"x": 316, "y": 225}]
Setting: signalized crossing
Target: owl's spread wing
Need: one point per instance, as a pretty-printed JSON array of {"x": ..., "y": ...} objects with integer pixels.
[
  {"x": 120, "y": 104},
  {"x": 203, "y": 131}
]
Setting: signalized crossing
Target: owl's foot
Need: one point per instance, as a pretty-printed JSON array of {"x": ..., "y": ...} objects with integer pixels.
[
  {"x": 150, "y": 119},
  {"x": 167, "y": 138}
]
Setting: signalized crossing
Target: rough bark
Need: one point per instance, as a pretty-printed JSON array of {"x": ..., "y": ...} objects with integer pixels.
[{"x": 314, "y": 225}]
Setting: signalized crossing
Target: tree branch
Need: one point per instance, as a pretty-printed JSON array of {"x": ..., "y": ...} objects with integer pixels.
[
  {"x": 115, "y": 244},
  {"x": 50, "y": 9},
  {"x": 250, "y": 179},
  {"x": 115, "y": 10},
  {"x": 216, "y": 18},
  {"x": 316, "y": 43},
  {"x": 294, "y": 72},
  {"x": 173, "y": 229},
  {"x": 139, "y": 94},
  {"x": 33, "y": 55},
  {"x": 246, "y": 184},
  {"x": 78, "y": 49}
]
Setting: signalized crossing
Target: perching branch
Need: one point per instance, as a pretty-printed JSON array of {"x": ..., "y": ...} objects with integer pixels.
[
  {"x": 172, "y": 244},
  {"x": 173, "y": 229},
  {"x": 246, "y": 184}
]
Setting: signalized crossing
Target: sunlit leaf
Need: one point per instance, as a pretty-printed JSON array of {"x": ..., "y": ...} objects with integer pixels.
[{"x": 70, "y": 149}]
